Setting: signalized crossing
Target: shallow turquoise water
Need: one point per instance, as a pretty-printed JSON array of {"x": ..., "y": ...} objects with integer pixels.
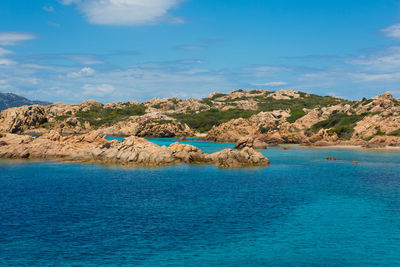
[{"x": 300, "y": 211}]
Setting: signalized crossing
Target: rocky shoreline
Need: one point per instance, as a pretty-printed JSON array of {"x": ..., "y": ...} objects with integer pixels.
[
  {"x": 131, "y": 151},
  {"x": 254, "y": 119}
]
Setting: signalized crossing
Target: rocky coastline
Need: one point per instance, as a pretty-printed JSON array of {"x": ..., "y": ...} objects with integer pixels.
[
  {"x": 254, "y": 119},
  {"x": 132, "y": 151}
]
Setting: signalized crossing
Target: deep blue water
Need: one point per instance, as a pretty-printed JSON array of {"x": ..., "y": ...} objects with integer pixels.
[{"x": 301, "y": 211}]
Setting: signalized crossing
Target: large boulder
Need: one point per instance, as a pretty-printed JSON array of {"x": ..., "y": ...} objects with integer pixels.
[
  {"x": 252, "y": 142},
  {"x": 229, "y": 158}
]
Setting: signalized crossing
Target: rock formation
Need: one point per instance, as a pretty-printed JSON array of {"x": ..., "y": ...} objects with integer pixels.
[
  {"x": 252, "y": 142},
  {"x": 285, "y": 116},
  {"x": 131, "y": 151}
]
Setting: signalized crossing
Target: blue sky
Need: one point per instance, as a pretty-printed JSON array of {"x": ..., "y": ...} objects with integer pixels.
[{"x": 119, "y": 50}]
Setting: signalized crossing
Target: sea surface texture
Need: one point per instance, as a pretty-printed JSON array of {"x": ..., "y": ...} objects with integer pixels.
[{"x": 301, "y": 211}]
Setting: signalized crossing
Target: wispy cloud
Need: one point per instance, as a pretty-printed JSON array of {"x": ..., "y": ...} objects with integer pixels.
[
  {"x": 385, "y": 60},
  {"x": 127, "y": 12},
  {"x": 81, "y": 59},
  {"x": 98, "y": 90},
  {"x": 191, "y": 47},
  {"x": 5, "y": 61},
  {"x": 265, "y": 71},
  {"x": 271, "y": 84},
  {"x": 86, "y": 71},
  {"x": 48, "y": 8},
  {"x": 50, "y": 23},
  {"x": 392, "y": 31},
  {"x": 13, "y": 38},
  {"x": 4, "y": 52}
]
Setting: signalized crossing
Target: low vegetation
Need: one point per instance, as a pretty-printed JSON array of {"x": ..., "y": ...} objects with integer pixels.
[
  {"x": 205, "y": 120},
  {"x": 295, "y": 114},
  {"x": 341, "y": 124},
  {"x": 297, "y": 104},
  {"x": 98, "y": 116},
  {"x": 395, "y": 133}
]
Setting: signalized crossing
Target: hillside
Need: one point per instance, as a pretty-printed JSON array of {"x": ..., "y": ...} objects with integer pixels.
[
  {"x": 9, "y": 100},
  {"x": 285, "y": 116}
]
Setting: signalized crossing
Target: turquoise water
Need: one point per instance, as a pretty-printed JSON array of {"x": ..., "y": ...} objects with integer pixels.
[{"x": 301, "y": 211}]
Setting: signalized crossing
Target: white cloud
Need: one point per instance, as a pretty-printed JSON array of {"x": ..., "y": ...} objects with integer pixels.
[
  {"x": 271, "y": 84},
  {"x": 13, "y": 38},
  {"x": 392, "y": 31},
  {"x": 87, "y": 71},
  {"x": 4, "y": 52},
  {"x": 50, "y": 23},
  {"x": 5, "y": 61},
  {"x": 48, "y": 8},
  {"x": 126, "y": 12},
  {"x": 98, "y": 90},
  {"x": 387, "y": 60},
  {"x": 265, "y": 71},
  {"x": 367, "y": 77}
]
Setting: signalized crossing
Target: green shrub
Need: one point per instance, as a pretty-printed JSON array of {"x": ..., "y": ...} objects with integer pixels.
[
  {"x": 98, "y": 116},
  {"x": 379, "y": 132},
  {"x": 341, "y": 124},
  {"x": 162, "y": 121},
  {"x": 263, "y": 130},
  {"x": 313, "y": 101},
  {"x": 47, "y": 125},
  {"x": 61, "y": 118},
  {"x": 205, "y": 120},
  {"x": 337, "y": 121},
  {"x": 207, "y": 101},
  {"x": 395, "y": 133},
  {"x": 295, "y": 114},
  {"x": 343, "y": 132},
  {"x": 218, "y": 95}
]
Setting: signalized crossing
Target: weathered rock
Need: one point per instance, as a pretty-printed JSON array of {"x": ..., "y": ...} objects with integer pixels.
[
  {"x": 382, "y": 141},
  {"x": 150, "y": 125},
  {"x": 233, "y": 130},
  {"x": 131, "y": 151},
  {"x": 189, "y": 153},
  {"x": 229, "y": 158},
  {"x": 252, "y": 142}
]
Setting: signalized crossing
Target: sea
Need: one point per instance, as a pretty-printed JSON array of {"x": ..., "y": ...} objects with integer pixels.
[{"x": 302, "y": 210}]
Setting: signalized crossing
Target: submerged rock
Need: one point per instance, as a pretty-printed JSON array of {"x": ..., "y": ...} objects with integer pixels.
[{"x": 332, "y": 159}]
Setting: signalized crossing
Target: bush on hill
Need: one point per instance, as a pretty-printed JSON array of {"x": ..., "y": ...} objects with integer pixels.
[{"x": 98, "y": 116}]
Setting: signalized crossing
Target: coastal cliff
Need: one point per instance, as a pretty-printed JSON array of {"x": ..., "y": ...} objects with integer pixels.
[{"x": 285, "y": 116}]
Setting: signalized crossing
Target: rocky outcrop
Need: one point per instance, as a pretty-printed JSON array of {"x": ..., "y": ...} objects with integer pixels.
[
  {"x": 233, "y": 130},
  {"x": 316, "y": 115},
  {"x": 298, "y": 118},
  {"x": 17, "y": 119},
  {"x": 383, "y": 141},
  {"x": 131, "y": 151},
  {"x": 229, "y": 158},
  {"x": 285, "y": 94},
  {"x": 189, "y": 153},
  {"x": 252, "y": 142},
  {"x": 150, "y": 125}
]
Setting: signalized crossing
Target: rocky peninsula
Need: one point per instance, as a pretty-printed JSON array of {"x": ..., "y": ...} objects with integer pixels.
[
  {"x": 132, "y": 150},
  {"x": 254, "y": 119}
]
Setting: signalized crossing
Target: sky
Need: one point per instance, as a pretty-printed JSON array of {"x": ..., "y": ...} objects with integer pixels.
[{"x": 120, "y": 50}]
